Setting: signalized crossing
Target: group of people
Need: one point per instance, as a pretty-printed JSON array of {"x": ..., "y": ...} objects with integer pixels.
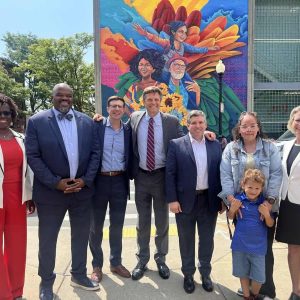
[{"x": 81, "y": 166}]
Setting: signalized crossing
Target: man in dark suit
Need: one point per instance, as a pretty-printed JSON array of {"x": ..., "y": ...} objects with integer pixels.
[
  {"x": 151, "y": 133},
  {"x": 112, "y": 186},
  {"x": 63, "y": 152},
  {"x": 192, "y": 186}
]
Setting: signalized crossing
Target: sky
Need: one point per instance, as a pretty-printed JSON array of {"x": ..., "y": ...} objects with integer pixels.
[{"x": 46, "y": 19}]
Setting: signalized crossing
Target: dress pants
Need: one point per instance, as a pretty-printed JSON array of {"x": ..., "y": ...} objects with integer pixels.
[
  {"x": 186, "y": 225},
  {"x": 50, "y": 220},
  {"x": 12, "y": 241},
  {"x": 149, "y": 188},
  {"x": 112, "y": 190}
]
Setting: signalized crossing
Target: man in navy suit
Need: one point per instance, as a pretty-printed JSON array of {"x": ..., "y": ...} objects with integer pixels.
[
  {"x": 192, "y": 186},
  {"x": 64, "y": 154},
  {"x": 112, "y": 186}
]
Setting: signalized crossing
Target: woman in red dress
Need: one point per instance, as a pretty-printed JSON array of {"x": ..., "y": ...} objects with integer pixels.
[{"x": 15, "y": 190}]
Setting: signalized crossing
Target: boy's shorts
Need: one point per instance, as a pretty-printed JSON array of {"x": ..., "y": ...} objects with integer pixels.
[{"x": 250, "y": 266}]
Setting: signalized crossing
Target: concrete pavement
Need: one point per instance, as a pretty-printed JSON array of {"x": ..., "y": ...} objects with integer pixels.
[{"x": 151, "y": 286}]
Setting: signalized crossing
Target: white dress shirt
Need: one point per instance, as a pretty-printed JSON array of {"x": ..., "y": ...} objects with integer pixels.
[{"x": 200, "y": 155}]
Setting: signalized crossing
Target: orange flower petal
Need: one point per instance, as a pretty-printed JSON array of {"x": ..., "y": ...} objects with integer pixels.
[
  {"x": 230, "y": 31},
  {"x": 218, "y": 22}
]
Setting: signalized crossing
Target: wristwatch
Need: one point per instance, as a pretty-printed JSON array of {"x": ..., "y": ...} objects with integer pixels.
[{"x": 271, "y": 200}]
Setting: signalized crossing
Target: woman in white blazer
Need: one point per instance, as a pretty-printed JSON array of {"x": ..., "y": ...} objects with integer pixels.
[
  {"x": 15, "y": 190},
  {"x": 288, "y": 227}
]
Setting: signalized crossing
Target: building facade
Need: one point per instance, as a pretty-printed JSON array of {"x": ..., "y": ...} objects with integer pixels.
[{"x": 276, "y": 62}]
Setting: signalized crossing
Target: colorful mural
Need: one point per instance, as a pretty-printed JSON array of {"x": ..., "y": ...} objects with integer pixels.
[{"x": 176, "y": 45}]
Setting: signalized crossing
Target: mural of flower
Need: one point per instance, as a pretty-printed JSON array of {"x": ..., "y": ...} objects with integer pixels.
[{"x": 172, "y": 104}]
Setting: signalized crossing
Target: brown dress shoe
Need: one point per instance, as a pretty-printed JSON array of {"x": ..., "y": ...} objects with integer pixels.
[
  {"x": 121, "y": 271},
  {"x": 97, "y": 274}
]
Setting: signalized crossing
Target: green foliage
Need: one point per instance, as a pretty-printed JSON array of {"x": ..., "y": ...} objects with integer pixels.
[
  {"x": 13, "y": 89},
  {"x": 17, "y": 46},
  {"x": 46, "y": 62}
]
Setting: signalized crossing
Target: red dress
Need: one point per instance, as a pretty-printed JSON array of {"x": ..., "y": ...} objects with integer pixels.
[{"x": 12, "y": 223}]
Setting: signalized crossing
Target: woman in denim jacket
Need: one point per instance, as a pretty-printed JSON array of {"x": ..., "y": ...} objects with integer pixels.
[{"x": 250, "y": 150}]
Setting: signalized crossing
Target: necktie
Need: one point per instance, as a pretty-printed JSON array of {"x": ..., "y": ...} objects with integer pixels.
[
  {"x": 66, "y": 116},
  {"x": 150, "y": 146}
]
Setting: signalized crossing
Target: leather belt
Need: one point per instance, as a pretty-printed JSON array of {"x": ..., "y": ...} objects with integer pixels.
[
  {"x": 154, "y": 171},
  {"x": 112, "y": 173},
  {"x": 201, "y": 192}
]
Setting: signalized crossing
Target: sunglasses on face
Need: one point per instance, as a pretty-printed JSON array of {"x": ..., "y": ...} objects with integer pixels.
[{"x": 5, "y": 113}]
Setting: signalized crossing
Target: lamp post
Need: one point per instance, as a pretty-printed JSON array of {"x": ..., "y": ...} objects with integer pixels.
[{"x": 220, "y": 69}]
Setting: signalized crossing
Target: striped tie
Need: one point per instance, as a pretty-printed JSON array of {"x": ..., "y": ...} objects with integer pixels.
[{"x": 150, "y": 146}]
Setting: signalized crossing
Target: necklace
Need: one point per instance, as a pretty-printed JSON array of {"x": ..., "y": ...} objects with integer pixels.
[{"x": 7, "y": 136}]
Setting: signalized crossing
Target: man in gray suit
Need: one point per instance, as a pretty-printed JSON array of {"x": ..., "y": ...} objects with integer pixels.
[{"x": 151, "y": 132}]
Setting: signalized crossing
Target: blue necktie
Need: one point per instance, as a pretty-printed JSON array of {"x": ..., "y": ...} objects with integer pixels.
[{"x": 66, "y": 116}]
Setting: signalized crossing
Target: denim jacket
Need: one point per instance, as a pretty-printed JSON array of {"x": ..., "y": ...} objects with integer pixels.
[{"x": 267, "y": 159}]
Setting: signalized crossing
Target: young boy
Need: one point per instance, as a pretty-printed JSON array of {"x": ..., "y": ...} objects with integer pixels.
[{"x": 249, "y": 243}]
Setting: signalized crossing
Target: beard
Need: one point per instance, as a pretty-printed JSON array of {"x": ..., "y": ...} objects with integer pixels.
[{"x": 177, "y": 75}]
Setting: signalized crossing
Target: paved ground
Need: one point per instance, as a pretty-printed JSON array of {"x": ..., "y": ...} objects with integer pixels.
[{"x": 151, "y": 286}]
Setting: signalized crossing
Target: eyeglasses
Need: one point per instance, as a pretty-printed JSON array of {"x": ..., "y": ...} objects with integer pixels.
[
  {"x": 176, "y": 65},
  {"x": 5, "y": 113},
  {"x": 116, "y": 106},
  {"x": 251, "y": 127}
]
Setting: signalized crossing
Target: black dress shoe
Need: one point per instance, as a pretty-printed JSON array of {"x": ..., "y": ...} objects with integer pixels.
[
  {"x": 207, "y": 283},
  {"x": 84, "y": 284},
  {"x": 188, "y": 284},
  {"x": 163, "y": 270},
  {"x": 138, "y": 271},
  {"x": 46, "y": 293}
]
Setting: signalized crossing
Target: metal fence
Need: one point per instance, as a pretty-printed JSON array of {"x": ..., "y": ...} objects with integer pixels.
[{"x": 276, "y": 62}]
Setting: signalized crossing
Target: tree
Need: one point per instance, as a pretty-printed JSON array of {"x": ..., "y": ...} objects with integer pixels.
[
  {"x": 51, "y": 61},
  {"x": 44, "y": 62},
  {"x": 17, "y": 46}
]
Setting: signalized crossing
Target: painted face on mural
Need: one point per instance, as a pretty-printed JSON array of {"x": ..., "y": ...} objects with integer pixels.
[
  {"x": 181, "y": 34},
  {"x": 145, "y": 68},
  {"x": 177, "y": 69}
]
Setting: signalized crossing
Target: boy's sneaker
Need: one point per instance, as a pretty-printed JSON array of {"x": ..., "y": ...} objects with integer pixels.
[{"x": 240, "y": 292}]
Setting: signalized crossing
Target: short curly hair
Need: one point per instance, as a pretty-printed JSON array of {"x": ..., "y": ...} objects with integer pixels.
[
  {"x": 155, "y": 59},
  {"x": 12, "y": 105},
  {"x": 255, "y": 175}
]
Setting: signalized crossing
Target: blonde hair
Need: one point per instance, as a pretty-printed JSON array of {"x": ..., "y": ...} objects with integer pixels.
[
  {"x": 253, "y": 175},
  {"x": 291, "y": 119}
]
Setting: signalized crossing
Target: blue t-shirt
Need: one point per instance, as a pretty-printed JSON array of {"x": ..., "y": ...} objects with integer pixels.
[{"x": 250, "y": 235}]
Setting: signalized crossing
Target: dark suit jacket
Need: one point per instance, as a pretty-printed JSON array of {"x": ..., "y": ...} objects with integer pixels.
[
  {"x": 100, "y": 131},
  {"x": 171, "y": 130},
  {"x": 181, "y": 174},
  {"x": 47, "y": 156}
]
